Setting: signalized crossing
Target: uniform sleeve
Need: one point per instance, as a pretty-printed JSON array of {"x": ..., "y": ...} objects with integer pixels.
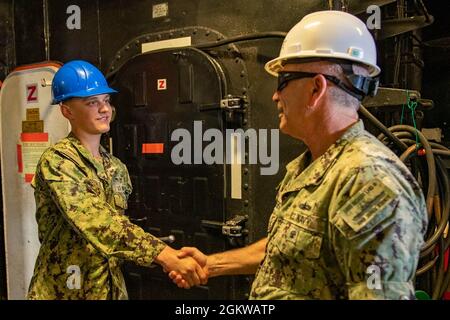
[
  {"x": 82, "y": 204},
  {"x": 376, "y": 234}
]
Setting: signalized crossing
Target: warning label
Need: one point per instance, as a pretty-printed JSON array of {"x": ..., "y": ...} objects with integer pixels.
[
  {"x": 29, "y": 151},
  {"x": 162, "y": 84}
]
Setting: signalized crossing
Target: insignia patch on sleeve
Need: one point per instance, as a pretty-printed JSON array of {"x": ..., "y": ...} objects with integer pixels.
[{"x": 363, "y": 207}]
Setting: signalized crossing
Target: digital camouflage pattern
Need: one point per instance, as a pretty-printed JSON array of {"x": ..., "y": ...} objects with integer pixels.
[
  {"x": 354, "y": 211},
  {"x": 80, "y": 204}
]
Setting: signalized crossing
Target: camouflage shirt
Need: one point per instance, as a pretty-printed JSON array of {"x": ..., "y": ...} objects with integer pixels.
[
  {"x": 83, "y": 231},
  {"x": 349, "y": 225}
]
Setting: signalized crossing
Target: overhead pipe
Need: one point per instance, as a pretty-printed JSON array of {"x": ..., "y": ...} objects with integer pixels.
[
  {"x": 340, "y": 5},
  {"x": 46, "y": 29}
]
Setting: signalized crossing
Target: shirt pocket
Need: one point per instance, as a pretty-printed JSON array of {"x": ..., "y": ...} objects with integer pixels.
[
  {"x": 121, "y": 190},
  {"x": 120, "y": 201},
  {"x": 300, "y": 235}
]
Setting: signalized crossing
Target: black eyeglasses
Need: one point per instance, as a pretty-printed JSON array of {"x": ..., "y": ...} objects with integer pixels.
[
  {"x": 361, "y": 85},
  {"x": 285, "y": 77}
]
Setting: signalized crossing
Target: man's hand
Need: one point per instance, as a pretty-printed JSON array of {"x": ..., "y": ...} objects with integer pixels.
[
  {"x": 232, "y": 262},
  {"x": 193, "y": 253},
  {"x": 191, "y": 273}
]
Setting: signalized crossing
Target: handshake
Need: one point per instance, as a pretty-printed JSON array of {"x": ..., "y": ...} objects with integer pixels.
[{"x": 187, "y": 267}]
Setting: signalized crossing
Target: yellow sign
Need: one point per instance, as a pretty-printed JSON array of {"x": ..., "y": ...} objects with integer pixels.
[
  {"x": 33, "y": 114},
  {"x": 32, "y": 126}
]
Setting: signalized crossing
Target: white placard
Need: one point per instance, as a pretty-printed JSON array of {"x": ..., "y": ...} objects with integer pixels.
[
  {"x": 160, "y": 10},
  {"x": 164, "y": 44},
  {"x": 236, "y": 167}
]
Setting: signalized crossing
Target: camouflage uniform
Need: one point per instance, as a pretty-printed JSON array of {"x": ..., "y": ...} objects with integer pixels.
[
  {"x": 80, "y": 204},
  {"x": 349, "y": 225}
]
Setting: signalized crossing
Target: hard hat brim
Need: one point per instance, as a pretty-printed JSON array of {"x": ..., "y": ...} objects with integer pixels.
[
  {"x": 85, "y": 94},
  {"x": 274, "y": 65}
]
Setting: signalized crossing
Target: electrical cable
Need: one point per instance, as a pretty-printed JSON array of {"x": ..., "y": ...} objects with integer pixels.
[
  {"x": 246, "y": 37},
  {"x": 425, "y": 157}
]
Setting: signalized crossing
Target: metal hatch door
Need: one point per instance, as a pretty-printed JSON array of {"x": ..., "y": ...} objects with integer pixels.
[{"x": 160, "y": 92}]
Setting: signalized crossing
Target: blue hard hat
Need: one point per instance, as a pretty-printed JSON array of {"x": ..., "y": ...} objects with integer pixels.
[{"x": 79, "y": 79}]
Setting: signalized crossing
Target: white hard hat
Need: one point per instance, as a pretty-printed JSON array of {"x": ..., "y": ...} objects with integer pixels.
[{"x": 328, "y": 34}]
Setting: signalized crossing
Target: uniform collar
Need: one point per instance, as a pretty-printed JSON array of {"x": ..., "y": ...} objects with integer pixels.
[
  {"x": 312, "y": 173},
  {"x": 84, "y": 152}
]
